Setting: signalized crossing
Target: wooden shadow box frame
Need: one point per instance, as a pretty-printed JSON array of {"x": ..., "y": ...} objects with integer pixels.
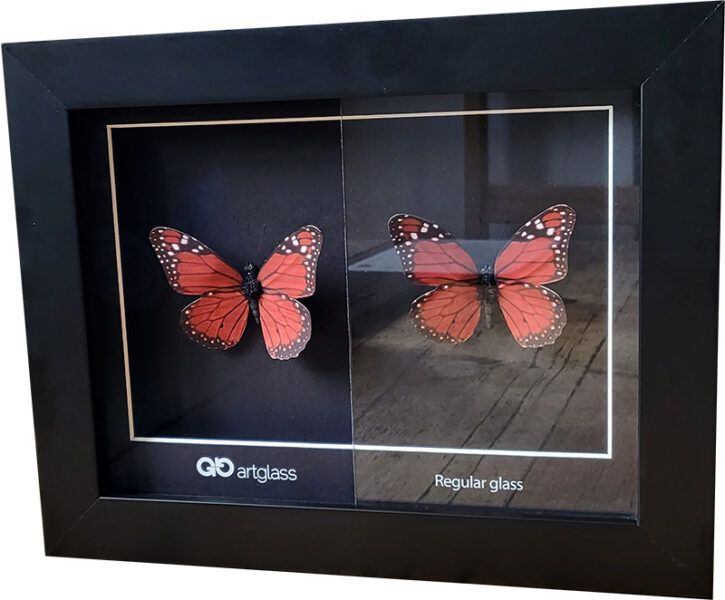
[{"x": 671, "y": 53}]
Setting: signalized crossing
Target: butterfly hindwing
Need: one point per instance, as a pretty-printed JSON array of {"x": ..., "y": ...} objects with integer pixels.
[
  {"x": 292, "y": 267},
  {"x": 535, "y": 314},
  {"x": 448, "y": 313},
  {"x": 190, "y": 266},
  {"x": 286, "y": 325},
  {"x": 429, "y": 254},
  {"x": 216, "y": 320},
  {"x": 538, "y": 252}
]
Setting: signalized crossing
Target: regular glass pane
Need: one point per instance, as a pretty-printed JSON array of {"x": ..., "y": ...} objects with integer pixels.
[{"x": 485, "y": 372}]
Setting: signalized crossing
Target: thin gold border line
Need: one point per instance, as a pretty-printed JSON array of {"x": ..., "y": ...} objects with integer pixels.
[
  {"x": 371, "y": 117},
  {"x": 374, "y": 448},
  {"x": 119, "y": 270},
  {"x": 340, "y": 118},
  {"x": 610, "y": 284}
]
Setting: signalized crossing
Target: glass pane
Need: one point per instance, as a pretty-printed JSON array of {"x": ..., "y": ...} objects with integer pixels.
[
  {"x": 463, "y": 415},
  {"x": 481, "y": 358}
]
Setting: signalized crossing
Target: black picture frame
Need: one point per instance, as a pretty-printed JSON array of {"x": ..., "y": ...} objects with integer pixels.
[{"x": 672, "y": 53}]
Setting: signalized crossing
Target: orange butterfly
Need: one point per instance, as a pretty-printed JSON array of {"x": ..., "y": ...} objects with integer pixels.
[
  {"x": 217, "y": 320},
  {"x": 537, "y": 254}
]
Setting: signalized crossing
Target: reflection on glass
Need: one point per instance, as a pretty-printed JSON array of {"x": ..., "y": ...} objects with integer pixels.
[{"x": 476, "y": 403}]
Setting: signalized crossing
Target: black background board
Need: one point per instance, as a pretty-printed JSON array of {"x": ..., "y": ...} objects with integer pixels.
[
  {"x": 240, "y": 189},
  {"x": 170, "y": 471}
]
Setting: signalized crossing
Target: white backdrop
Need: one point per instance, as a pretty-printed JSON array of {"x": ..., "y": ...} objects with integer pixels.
[{"x": 24, "y": 571}]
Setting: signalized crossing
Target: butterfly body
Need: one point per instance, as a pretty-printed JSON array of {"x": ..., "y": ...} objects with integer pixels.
[
  {"x": 537, "y": 254},
  {"x": 219, "y": 317},
  {"x": 489, "y": 294},
  {"x": 252, "y": 289},
  {"x": 487, "y": 276}
]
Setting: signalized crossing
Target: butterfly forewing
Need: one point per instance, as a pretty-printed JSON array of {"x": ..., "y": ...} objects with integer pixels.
[
  {"x": 190, "y": 266},
  {"x": 538, "y": 252},
  {"x": 429, "y": 254},
  {"x": 292, "y": 267}
]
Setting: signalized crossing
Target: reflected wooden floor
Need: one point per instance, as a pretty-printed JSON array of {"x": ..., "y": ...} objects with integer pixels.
[{"x": 490, "y": 393}]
